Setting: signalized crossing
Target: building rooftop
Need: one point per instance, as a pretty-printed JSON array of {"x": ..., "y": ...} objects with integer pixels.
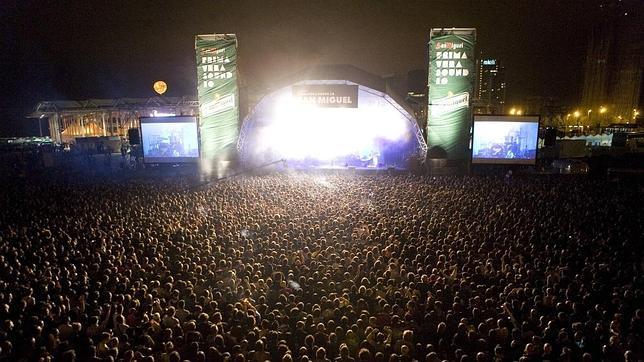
[{"x": 46, "y": 108}]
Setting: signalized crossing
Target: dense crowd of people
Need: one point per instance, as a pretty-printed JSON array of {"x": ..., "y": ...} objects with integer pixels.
[{"x": 300, "y": 267}]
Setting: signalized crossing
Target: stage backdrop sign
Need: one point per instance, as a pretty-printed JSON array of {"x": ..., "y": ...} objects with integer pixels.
[
  {"x": 218, "y": 93},
  {"x": 451, "y": 81},
  {"x": 327, "y": 95}
]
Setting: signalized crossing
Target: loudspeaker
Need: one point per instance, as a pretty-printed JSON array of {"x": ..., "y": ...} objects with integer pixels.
[
  {"x": 550, "y": 137},
  {"x": 133, "y": 136}
]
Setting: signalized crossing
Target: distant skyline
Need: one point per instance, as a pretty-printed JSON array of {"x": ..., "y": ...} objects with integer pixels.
[{"x": 97, "y": 49}]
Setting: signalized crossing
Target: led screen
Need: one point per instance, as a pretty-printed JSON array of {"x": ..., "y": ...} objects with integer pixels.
[
  {"x": 505, "y": 139},
  {"x": 169, "y": 139}
]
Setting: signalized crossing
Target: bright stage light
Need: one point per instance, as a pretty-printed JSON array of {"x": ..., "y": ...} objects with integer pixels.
[
  {"x": 161, "y": 114},
  {"x": 368, "y": 131},
  {"x": 299, "y": 131}
]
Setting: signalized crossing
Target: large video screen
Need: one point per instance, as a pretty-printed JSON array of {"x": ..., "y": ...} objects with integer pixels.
[
  {"x": 169, "y": 139},
  {"x": 505, "y": 139}
]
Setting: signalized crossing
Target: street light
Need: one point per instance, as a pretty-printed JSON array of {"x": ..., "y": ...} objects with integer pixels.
[
  {"x": 39, "y": 125},
  {"x": 519, "y": 112},
  {"x": 513, "y": 111},
  {"x": 602, "y": 119},
  {"x": 576, "y": 114}
]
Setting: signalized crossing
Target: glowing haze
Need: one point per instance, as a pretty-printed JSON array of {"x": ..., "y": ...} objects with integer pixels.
[{"x": 375, "y": 134}]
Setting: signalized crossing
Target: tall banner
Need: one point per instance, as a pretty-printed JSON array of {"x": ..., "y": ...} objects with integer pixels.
[
  {"x": 451, "y": 82},
  {"x": 218, "y": 93}
]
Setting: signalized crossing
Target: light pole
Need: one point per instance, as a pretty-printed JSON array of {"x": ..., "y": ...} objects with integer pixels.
[
  {"x": 577, "y": 114},
  {"x": 40, "y": 125}
]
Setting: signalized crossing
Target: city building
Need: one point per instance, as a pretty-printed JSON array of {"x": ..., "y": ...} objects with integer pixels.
[
  {"x": 416, "y": 96},
  {"x": 411, "y": 87},
  {"x": 490, "y": 87},
  {"x": 613, "y": 80}
]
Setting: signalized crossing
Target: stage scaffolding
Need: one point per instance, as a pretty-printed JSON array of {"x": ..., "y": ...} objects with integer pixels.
[{"x": 69, "y": 120}]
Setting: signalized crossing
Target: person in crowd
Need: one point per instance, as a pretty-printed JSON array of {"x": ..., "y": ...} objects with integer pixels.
[{"x": 309, "y": 268}]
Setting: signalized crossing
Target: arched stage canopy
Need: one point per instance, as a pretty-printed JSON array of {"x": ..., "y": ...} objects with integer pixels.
[{"x": 327, "y": 122}]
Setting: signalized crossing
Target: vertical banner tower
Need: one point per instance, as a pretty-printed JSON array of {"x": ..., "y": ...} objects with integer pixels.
[
  {"x": 451, "y": 83},
  {"x": 218, "y": 95}
]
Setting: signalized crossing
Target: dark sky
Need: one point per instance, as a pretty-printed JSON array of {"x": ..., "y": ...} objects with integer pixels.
[{"x": 93, "y": 49}]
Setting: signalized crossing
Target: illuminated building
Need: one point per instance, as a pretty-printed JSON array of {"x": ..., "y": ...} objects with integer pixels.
[
  {"x": 490, "y": 87},
  {"x": 69, "y": 120},
  {"x": 614, "y": 62}
]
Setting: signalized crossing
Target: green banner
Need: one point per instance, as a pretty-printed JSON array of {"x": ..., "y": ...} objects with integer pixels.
[
  {"x": 451, "y": 82},
  {"x": 218, "y": 94}
]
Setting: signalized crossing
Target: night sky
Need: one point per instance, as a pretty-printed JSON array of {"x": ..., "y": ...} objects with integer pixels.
[{"x": 109, "y": 49}]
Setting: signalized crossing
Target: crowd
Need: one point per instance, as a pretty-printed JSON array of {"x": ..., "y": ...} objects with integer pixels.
[{"x": 299, "y": 267}]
